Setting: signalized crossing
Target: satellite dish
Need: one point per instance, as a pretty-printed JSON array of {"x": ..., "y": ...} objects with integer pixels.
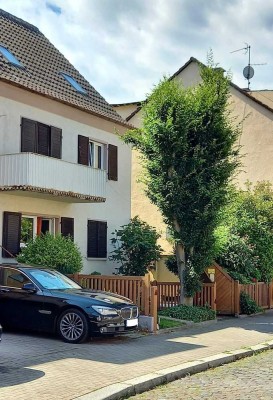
[{"x": 248, "y": 72}]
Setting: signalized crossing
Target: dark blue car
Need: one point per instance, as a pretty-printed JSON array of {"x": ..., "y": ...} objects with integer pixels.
[{"x": 46, "y": 300}]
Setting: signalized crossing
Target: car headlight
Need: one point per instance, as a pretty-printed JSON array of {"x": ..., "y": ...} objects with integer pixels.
[{"x": 105, "y": 310}]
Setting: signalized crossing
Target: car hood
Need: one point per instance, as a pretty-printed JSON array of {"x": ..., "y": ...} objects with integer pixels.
[{"x": 95, "y": 296}]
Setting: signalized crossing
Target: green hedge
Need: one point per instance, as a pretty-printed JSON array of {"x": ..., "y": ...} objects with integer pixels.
[{"x": 189, "y": 313}]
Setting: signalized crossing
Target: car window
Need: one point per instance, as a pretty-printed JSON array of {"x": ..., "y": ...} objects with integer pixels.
[
  {"x": 13, "y": 278},
  {"x": 53, "y": 280}
]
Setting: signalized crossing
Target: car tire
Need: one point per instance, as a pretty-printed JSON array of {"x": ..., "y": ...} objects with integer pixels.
[{"x": 72, "y": 326}]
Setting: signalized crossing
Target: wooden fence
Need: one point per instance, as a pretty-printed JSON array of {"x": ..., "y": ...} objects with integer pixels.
[
  {"x": 228, "y": 292},
  {"x": 151, "y": 297},
  {"x": 260, "y": 292},
  {"x": 168, "y": 295},
  {"x": 207, "y": 296}
]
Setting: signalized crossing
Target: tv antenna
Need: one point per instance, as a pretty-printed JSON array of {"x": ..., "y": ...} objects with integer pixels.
[{"x": 248, "y": 71}]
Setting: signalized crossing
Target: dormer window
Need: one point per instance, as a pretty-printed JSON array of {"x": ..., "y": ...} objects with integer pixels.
[
  {"x": 73, "y": 83},
  {"x": 10, "y": 57}
]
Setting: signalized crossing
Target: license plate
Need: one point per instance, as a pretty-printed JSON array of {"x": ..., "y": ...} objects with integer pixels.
[{"x": 132, "y": 322}]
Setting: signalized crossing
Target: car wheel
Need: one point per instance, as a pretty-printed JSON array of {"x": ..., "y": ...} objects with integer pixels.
[{"x": 72, "y": 326}]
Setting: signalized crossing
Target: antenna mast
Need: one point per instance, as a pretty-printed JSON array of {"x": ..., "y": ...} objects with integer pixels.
[{"x": 248, "y": 71}]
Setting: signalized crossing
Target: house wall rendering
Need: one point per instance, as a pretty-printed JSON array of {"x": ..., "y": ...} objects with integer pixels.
[{"x": 115, "y": 210}]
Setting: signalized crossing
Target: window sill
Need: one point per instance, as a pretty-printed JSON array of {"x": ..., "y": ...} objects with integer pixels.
[{"x": 96, "y": 259}]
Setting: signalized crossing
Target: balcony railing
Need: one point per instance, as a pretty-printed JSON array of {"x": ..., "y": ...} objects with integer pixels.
[{"x": 57, "y": 179}]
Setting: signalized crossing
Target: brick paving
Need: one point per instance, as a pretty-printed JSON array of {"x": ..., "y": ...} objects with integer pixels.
[
  {"x": 40, "y": 367},
  {"x": 247, "y": 379}
]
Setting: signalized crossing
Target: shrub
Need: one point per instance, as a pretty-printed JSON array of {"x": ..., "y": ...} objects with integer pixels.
[
  {"x": 248, "y": 305},
  {"x": 57, "y": 252},
  {"x": 135, "y": 248},
  {"x": 245, "y": 235},
  {"x": 240, "y": 260},
  {"x": 189, "y": 313}
]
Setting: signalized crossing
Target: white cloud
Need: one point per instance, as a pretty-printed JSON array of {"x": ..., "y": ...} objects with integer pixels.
[{"x": 124, "y": 47}]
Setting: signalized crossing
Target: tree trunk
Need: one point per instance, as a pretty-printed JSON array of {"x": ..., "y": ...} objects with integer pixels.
[
  {"x": 188, "y": 301},
  {"x": 181, "y": 264}
]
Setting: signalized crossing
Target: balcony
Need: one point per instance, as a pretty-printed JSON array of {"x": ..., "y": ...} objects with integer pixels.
[{"x": 36, "y": 175}]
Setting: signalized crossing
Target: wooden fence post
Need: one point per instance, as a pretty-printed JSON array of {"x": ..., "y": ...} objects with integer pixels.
[
  {"x": 236, "y": 298},
  {"x": 146, "y": 293},
  {"x": 257, "y": 293},
  {"x": 153, "y": 310},
  {"x": 270, "y": 295},
  {"x": 213, "y": 296}
]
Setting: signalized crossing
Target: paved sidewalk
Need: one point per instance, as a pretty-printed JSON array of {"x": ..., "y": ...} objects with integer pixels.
[{"x": 37, "y": 367}]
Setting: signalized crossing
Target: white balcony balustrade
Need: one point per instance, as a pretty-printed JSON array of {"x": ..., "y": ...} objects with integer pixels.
[{"x": 41, "y": 176}]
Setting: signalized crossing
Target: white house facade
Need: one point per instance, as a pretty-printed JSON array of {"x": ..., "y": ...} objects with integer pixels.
[{"x": 63, "y": 167}]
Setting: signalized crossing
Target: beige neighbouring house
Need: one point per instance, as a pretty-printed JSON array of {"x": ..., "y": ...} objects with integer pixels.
[
  {"x": 256, "y": 141},
  {"x": 63, "y": 168}
]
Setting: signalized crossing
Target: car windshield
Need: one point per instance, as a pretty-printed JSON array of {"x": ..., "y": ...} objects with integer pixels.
[{"x": 53, "y": 280}]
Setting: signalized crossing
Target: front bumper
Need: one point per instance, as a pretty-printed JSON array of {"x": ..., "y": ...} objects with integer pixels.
[{"x": 112, "y": 325}]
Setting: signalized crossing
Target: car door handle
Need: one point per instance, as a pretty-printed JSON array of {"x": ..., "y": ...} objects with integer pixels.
[{"x": 4, "y": 290}]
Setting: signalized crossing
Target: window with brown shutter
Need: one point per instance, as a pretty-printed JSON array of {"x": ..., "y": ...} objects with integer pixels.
[
  {"x": 112, "y": 162},
  {"x": 28, "y": 135},
  {"x": 11, "y": 234},
  {"x": 96, "y": 239},
  {"x": 67, "y": 227},
  {"x": 83, "y": 150},
  {"x": 43, "y": 139},
  {"x": 40, "y": 138},
  {"x": 55, "y": 142}
]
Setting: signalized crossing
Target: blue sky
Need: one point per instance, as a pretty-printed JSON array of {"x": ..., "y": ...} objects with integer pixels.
[{"x": 123, "y": 47}]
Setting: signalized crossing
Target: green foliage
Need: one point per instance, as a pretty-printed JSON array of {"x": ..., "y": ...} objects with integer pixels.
[
  {"x": 57, "y": 252},
  {"x": 247, "y": 248},
  {"x": 248, "y": 305},
  {"x": 26, "y": 229},
  {"x": 135, "y": 248},
  {"x": 171, "y": 264},
  {"x": 189, "y": 152},
  {"x": 189, "y": 313},
  {"x": 240, "y": 259}
]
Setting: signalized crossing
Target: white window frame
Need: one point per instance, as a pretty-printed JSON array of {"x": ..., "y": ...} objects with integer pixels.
[{"x": 93, "y": 156}]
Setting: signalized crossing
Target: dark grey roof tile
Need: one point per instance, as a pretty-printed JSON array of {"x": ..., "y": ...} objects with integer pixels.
[{"x": 42, "y": 66}]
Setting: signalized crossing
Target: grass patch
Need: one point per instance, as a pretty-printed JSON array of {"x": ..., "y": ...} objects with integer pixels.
[
  {"x": 167, "y": 323},
  {"x": 189, "y": 313}
]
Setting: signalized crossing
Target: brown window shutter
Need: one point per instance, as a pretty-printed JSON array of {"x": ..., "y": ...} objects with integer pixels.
[
  {"x": 97, "y": 239},
  {"x": 28, "y": 136},
  {"x": 102, "y": 240},
  {"x": 83, "y": 147},
  {"x": 11, "y": 233},
  {"x": 67, "y": 227},
  {"x": 55, "y": 142},
  {"x": 92, "y": 238},
  {"x": 43, "y": 139},
  {"x": 112, "y": 162}
]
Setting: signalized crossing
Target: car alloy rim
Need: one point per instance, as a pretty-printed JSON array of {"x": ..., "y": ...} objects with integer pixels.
[{"x": 71, "y": 326}]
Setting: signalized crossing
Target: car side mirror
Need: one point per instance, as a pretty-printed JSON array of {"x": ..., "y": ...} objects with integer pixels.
[{"x": 30, "y": 287}]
